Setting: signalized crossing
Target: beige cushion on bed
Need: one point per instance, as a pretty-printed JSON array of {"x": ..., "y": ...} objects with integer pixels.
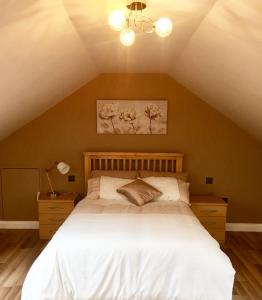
[
  {"x": 181, "y": 176},
  {"x": 184, "y": 191},
  {"x": 139, "y": 192},
  {"x": 116, "y": 174}
]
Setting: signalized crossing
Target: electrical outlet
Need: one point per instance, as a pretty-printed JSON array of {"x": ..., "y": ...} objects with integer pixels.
[
  {"x": 209, "y": 180},
  {"x": 225, "y": 199},
  {"x": 71, "y": 178}
]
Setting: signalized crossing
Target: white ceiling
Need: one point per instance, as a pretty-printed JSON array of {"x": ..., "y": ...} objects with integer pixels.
[{"x": 49, "y": 48}]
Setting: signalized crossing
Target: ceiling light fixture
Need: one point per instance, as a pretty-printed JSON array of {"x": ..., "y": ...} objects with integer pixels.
[{"x": 136, "y": 21}]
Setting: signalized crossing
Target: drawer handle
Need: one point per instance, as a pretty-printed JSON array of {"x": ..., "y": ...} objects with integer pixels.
[
  {"x": 210, "y": 223},
  {"x": 209, "y": 210},
  {"x": 55, "y": 207},
  {"x": 55, "y": 220}
]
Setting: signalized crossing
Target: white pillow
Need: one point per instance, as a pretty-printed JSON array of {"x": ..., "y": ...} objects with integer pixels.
[
  {"x": 168, "y": 186},
  {"x": 109, "y": 186}
]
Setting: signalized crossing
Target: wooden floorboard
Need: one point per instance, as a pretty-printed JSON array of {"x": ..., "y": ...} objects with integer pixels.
[
  {"x": 245, "y": 252},
  {"x": 19, "y": 248}
]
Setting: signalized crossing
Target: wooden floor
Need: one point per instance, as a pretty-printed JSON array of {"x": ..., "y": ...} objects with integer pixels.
[
  {"x": 19, "y": 248},
  {"x": 245, "y": 252}
]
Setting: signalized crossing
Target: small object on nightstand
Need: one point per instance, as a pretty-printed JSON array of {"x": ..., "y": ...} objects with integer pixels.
[
  {"x": 211, "y": 212},
  {"x": 53, "y": 212}
]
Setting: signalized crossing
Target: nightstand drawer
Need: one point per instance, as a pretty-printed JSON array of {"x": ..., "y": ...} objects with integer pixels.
[
  {"x": 53, "y": 218},
  {"x": 209, "y": 210},
  {"x": 213, "y": 222},
  {"x": 53, "y": 212},
  {"x": 218, "y": 234},
  {"x": 47, "y": 231},
  {"x": 55, "y": 207}
]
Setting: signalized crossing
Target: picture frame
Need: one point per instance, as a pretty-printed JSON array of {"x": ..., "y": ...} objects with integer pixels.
[{"x": 132, "y": 117}]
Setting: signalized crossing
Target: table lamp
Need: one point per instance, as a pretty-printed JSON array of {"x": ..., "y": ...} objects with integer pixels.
[{"x": 63, "y": 168}]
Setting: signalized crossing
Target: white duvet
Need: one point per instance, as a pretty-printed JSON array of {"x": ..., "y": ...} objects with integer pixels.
[{"x": 116, "y": 251}]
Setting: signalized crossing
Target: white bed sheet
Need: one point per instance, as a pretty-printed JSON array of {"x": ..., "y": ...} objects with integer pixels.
[{"x": 110, "y": 251}]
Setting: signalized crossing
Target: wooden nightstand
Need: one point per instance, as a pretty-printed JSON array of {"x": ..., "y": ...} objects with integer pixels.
[
  {"x": 53, "y": 212},
  {"x": 211, "y": 212}
]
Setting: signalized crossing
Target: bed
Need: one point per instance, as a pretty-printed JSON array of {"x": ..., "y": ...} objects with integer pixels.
[{"x": 112, "y": 249}]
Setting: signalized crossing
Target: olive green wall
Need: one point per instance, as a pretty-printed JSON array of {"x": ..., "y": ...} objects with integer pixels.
[{"x": 212, "y": 144}]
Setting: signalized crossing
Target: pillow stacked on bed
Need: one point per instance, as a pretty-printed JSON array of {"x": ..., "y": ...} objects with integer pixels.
[
  {"x": 168, "y": 186},
  {"x": 181, "y": 176},
  {"x": 182, "y": 179},
  {"x": 110, "y": 185},
  {"x": 121, "y": 185},
  {"x": 94, "y": 181}
]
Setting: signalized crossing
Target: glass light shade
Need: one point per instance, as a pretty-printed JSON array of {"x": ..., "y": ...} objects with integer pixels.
[
  {"x": 163, "y": 27},
  {"x": 63, "y": 168},
  {"x": 117, "y": 20},
  {"x": 127, "y": 37}
]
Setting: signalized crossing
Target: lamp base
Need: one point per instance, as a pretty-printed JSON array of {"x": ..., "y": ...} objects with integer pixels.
[{"x": 53, "y": 195}]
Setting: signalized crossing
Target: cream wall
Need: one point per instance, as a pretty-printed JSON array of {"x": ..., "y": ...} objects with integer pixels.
[{"x": 212, "y": 144}]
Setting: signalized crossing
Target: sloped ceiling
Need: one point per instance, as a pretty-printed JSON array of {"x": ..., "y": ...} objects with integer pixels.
[{"x": 49, "y": 48}]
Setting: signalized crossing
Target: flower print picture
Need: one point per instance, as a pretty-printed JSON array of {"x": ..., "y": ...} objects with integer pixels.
[{"x": 131, "y": 117}]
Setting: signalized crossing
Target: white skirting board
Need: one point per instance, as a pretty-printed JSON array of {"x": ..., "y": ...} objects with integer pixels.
[
  {"x": 248, "y": 227},
  {"x": 19, "y": 224}
]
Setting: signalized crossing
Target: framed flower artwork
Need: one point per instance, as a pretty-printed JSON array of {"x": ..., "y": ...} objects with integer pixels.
[{"x": 131, "y": 116}]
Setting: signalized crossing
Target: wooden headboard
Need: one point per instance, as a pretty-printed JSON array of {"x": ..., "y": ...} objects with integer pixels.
[{"x": 116, "y": 161}]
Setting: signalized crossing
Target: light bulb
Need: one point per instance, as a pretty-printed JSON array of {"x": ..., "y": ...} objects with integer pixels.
[
  {"x": 163, "y": 27},
  {"x": 127, "y": 37},
  {"x": 117, "y": 20}
]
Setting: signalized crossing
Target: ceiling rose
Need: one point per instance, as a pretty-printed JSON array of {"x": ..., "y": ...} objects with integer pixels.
[{"x": 135, "y": 21}]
